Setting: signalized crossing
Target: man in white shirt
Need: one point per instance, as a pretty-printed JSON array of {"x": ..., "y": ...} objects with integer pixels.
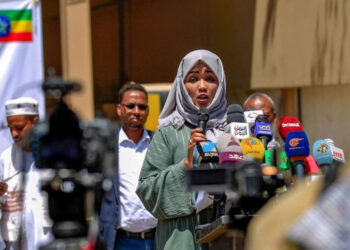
[
  {"x": 24, "y": 222},
  {"x": 124, "y": 222}
]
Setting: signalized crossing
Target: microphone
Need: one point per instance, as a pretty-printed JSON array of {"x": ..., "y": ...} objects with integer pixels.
[
  {"x": 297, "y": 149},
  {"x": 230, "y": 154},
  {"x": 337, "y": 153},
  {"x": 263, "y": 129},
  {"x": 328, "y": 158},
  {"x": 283, "y": 162},
  {"x": 311, "y": 167},
  {"x": 229, "y": 149},
  {"x": 207, "y": 152},
  {"x": 261, "y": 118},
  {"x": 252, "y": 147},
  {"x": 203, "y": 117},
  {"x": 236, "y": 122},
  {"x": 287, "y": 125},
  {"x": 250, "y": 116},
  {"x": 325, "y": 154},
  {"x": 235, "y": 113},
  {"x": 271, "y": 152}
]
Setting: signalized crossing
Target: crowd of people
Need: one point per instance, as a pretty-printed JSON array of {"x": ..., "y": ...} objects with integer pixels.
[{"x": 149, "y": 205}]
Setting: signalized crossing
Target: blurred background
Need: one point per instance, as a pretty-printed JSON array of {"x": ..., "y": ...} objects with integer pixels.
[{"x": 296, "y": 51}]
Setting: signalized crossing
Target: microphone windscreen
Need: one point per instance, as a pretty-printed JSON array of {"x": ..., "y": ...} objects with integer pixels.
[
  {"x": 228, "y": 143},
  {"x": 253, "y": 147},
  {"x": 263, "y": 129},
  {"x": 322, "y": 152},
  {"x": 229, "y": 149},
  {"x": 261, "y": 118},
  {"x": 297, "y": 145},
  {"x": 287, "y": 125},
  {"x": 235, "y": 113}
]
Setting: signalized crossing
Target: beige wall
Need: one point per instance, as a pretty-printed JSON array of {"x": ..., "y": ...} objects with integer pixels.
[
  {"x": 76, "y": 48},
  {"x": 325, "y": 114},
  {"x": 105, "y": 50},
  {"x": 301, "y": 43},
  {"x": 161, "y": 32},
  {"x": 158, "y": 33}
]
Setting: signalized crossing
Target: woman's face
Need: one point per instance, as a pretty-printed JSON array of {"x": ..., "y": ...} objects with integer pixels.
[{"x": 201, "y": 84}]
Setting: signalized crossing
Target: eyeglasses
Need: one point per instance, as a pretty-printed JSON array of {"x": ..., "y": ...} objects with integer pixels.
[{"x": 133, "y": 105}]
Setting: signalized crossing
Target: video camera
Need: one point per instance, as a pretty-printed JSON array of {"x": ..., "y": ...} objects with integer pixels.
[
  {"x": 79, "y": 159},
  {"x": 246, "y": 187}
]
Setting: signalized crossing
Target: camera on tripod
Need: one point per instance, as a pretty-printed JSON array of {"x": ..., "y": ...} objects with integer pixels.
[{"x": 79, "y": 158}]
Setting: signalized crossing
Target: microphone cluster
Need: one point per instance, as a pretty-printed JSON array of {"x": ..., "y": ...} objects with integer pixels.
[
  {"x": 249, "y": 161},
  {"x": 235, "y": 163}
]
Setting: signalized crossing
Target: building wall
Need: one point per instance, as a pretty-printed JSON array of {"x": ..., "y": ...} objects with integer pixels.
[
  {"x": 145, "y": 42},
  {"x": 51, "y": 35},
  {"x": 301, "y": 43},
  {"x": 325, "y": 114},
  {"x": 106, "y": 50}
]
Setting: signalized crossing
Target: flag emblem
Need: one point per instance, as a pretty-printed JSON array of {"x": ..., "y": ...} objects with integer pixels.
[
  {"x": 4, "y": 26},
  {"x": 16, "y": 26}
]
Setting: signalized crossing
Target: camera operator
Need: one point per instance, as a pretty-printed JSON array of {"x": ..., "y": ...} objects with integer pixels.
[
  {"x": 124, "y": 222},
  {"x": 25, "y": 224}
]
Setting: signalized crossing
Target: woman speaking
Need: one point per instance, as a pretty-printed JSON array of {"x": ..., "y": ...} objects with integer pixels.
[{"x": 199, "y": 83}]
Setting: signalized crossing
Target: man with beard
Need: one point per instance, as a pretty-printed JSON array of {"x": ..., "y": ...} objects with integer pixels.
[
  {"x": 24, "y": 223},
  {"x": 124, "y": 222}
]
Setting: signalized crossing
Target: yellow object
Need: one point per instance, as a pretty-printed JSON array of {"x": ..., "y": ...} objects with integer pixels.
[
  {"x": 253, "y": 147},
  {"x": 154, "y": 104}
]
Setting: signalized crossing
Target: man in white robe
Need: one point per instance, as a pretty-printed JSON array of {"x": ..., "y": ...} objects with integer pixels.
[{"x": 25, "y": 224}]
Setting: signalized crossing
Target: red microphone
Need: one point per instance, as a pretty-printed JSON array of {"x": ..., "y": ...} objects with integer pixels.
[
  {"x": 288, "y": 124},
  {"x": 311, "y": 166}
]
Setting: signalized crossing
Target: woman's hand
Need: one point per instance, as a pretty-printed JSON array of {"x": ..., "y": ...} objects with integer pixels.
[{"x": 196, "y": 136}]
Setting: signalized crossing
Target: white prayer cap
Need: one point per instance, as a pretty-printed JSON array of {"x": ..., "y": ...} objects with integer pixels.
[{"x": 22, "y": 106}]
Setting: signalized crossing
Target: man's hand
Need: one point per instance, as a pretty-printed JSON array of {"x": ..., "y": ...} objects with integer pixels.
[{"x": 3, "y": 188}]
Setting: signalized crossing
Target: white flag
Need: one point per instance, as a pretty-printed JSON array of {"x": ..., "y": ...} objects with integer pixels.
[{"x": 21, "y": 57}]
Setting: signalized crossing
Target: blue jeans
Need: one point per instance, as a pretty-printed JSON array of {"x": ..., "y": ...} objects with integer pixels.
[{"x": 130, "y": 243}]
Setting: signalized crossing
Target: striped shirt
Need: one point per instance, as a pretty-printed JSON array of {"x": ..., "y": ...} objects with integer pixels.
[{"x": 163, "y": 190}]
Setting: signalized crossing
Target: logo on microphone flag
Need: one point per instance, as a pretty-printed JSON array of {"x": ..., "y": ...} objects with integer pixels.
[
  {"x": 297, "y": 144},
  {"x": 295, "y": 141},
  {"x": 323, "y": 148},
  {"x": 16, "y": 25},
  {"x": 233, "y": 142},
  {"x": 250, "y": 142},
  {"x": 253, "y": 147}
]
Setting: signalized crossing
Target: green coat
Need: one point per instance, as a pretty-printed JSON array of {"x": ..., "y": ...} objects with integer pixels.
[{"x": 163, "y": 190}]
